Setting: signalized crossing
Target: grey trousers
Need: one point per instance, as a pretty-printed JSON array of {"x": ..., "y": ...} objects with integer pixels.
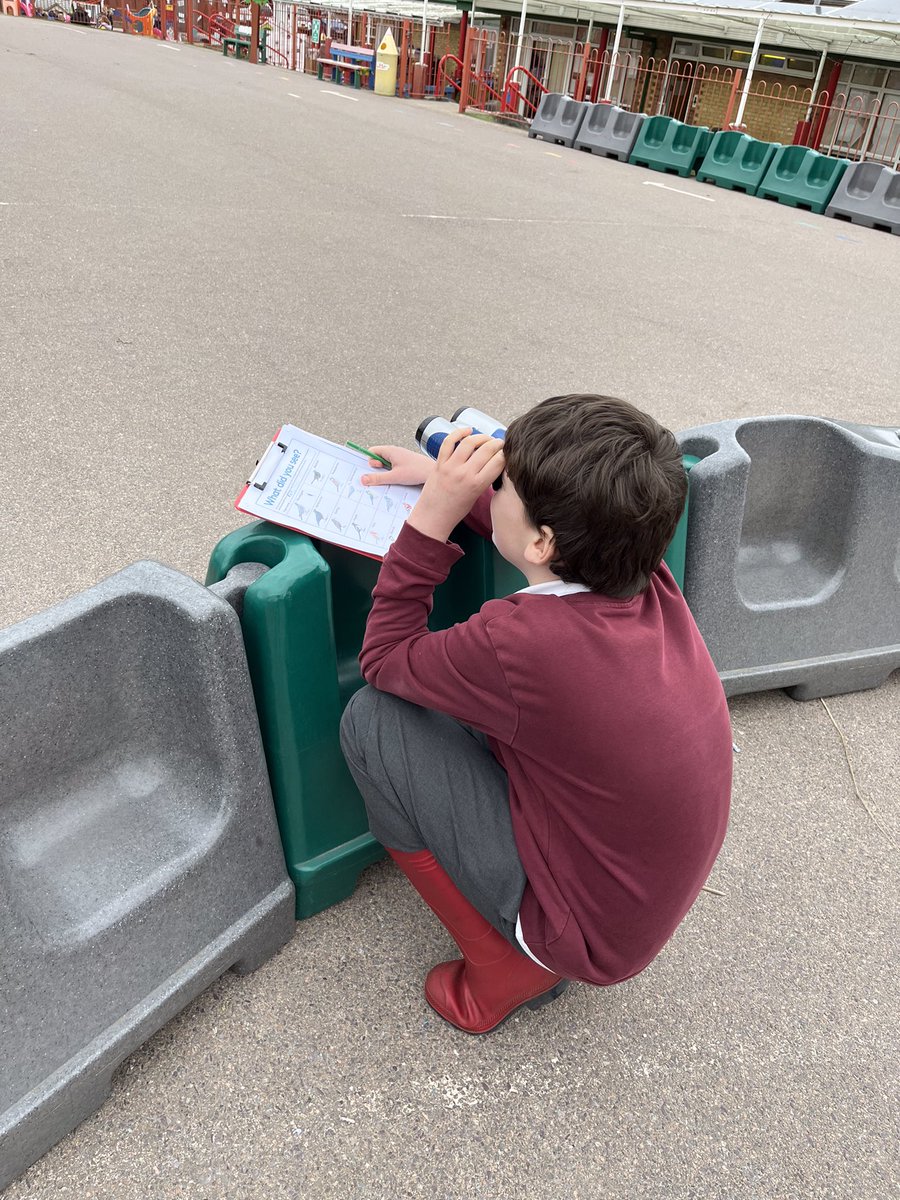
[{"x": 431, "y": 783}]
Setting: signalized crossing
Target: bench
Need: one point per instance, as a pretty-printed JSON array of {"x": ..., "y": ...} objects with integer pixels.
[
  {"x": 342, "y": 72},
  {"x": 353, "y": 62},
  {"x": 240, "y": 43}
]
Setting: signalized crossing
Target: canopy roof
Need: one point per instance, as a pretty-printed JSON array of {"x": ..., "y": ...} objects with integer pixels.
[{"x": 861, "y": 28}]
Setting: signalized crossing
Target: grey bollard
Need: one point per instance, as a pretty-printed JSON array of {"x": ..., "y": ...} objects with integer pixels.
[
  {"x": 609, "y": 131},
  {"x": 793, "y": 553},
  {"x": 139, "y": 852},
  {"x": 558, "y": 119},
  {"x": 868, "y": 194}
]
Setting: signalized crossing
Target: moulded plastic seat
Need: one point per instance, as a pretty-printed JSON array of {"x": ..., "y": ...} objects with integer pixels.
[
  {"x": 793, "y": 553},
  {"x": 609, "y": 131},
  {"x": 802, "y": 178},
  {"x": 664, "y": 144},
  {"x": 139, "y": 853},
  {"x": 868, "y": 194},
  {"x": 736, "y": 161},
  {"x": 558, "y": 119}
]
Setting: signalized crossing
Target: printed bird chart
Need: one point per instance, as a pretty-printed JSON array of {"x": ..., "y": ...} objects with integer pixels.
[{"x": 307, "y": 483}]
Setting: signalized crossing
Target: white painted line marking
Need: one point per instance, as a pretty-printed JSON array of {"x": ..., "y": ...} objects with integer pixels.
[
  {"x": 496, "y": 220},
  {"x": 447, "y": 125},
  {"x": 552, "y": 154},
  {"x": 293, "y": 95},
  {"x": 665, "y": 186},
  {"x": 340, "y": 95},
  {"x": 165, "y": 46}
]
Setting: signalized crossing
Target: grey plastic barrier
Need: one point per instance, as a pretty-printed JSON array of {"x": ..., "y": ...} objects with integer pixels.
[
  {"x": 558, "y": 119},
  {"x": 139, "y": 852},
  {"x": 868, "y": 194},
  {"x": 793, "y": 553},
  {"x": 609, "y": 131}
]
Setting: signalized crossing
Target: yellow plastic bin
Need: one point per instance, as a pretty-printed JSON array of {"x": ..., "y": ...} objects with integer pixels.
[{"x": 386, "y": 59}]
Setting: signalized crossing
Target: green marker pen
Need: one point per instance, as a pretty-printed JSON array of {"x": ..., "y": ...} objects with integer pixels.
[{"x": 368, "y": 453}]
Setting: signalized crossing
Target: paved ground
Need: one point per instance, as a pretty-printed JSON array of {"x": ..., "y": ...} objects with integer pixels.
[{"x": 193, "y": 250}]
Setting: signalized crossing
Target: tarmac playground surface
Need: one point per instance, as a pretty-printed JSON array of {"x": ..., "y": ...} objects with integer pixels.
[{"x": 193, "y": 251}]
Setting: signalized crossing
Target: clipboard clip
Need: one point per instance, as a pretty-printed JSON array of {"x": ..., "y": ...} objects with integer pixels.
[{"x": 252, "y": 481}]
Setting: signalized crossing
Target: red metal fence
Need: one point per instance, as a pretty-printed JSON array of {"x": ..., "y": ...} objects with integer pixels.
[{"x": 506, "y": 77}]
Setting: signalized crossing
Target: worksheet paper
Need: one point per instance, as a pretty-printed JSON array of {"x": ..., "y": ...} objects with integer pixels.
[{"x": 307, "y": 483}]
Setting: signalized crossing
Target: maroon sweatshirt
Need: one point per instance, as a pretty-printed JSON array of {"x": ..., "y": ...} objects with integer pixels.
[{"x": 612, "y": 725}]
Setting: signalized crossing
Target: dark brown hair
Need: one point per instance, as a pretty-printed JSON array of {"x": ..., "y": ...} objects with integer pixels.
[{"x": 607, "y": 479}]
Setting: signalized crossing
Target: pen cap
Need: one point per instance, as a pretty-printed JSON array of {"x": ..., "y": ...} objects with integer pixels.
[
  {"x": 431, "y": 433},
  {"x": 482, "y": 421}
]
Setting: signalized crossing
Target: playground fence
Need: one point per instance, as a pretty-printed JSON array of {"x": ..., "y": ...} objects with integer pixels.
[{"x": 507, "y": 76}]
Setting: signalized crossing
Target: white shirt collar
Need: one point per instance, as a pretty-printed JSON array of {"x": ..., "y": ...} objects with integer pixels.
[{"x": 553, "y": 588}]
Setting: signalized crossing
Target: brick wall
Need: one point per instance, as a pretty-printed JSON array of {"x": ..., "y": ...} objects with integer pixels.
[{"x": 769, "y": 117}]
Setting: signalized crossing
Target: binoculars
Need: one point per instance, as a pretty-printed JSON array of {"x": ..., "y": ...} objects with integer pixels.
[{"x": 432, "y": 431}]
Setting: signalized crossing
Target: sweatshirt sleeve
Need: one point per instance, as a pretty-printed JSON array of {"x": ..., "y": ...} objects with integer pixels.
[
  {"x": 479, "y": 518},
  {"x": 455, "y": 671}
]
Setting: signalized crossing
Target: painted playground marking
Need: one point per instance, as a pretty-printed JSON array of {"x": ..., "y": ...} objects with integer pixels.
[
  {"x": 167, "y": 47},
  {"x": 666, "y": 187},
  {"x": 552, "y": 154},
  {"x": 493, "y": 220},
  {"x": 293, "y": 95},
  {"x": 340, "y": 95}
]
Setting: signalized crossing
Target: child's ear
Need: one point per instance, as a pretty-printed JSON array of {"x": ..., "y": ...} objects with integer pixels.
[{"x": 541, "y": 551}]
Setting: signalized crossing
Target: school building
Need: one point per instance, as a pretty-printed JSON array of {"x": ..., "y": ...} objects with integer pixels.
[{"x": 769, "y": 67}]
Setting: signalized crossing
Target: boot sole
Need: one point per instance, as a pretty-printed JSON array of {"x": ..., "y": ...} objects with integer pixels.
[{"x": 534, "y": 1004}]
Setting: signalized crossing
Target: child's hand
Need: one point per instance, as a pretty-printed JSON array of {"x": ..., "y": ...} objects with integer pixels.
[
  {"x": 408, "y": 467},
  {"x": 466, "y": 465}
]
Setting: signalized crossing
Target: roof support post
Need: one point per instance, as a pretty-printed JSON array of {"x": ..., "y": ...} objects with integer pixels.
[
  {"x": 521, "y": 33},
  {"x": 607, "y": 91},
  {"x": 816, "y": 82},
  {"x": 753, "y": 57}
]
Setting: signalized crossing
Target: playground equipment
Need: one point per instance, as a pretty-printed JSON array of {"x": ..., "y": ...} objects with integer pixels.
[
  {"x": 139, "y": 854},
  {"x": 736, "y": 161},
  {"x": 141, "y": 22},
  {"x": 793, "y": 558},
  {"x": 609, "y": 131},
  {"x": 558, "y": 119},
  {"x": 802, "y": 178},
  {"x": 664, "y": 144},
  {"x": 868, "y": 194}
]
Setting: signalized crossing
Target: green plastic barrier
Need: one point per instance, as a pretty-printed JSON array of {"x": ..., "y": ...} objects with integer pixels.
[
  {"x": 736, "y": 161},
  {"x": 303, "y": 624},
  {"x": 665, "y": 144},
  {"x": 802, "y": 178}
]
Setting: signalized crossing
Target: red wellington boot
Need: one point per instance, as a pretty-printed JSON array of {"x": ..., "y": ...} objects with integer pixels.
[{"x": 493, "y": 978}]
